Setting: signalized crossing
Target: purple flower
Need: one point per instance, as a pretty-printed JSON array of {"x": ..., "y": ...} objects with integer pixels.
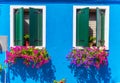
[{"x": 88, "y": 56}]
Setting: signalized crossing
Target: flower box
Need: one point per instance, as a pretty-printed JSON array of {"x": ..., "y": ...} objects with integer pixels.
[
  {"x": 88, "y": 56},
  {"x": 30, "y": 55}
]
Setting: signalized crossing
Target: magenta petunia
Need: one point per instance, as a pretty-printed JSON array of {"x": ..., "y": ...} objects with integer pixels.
[
  {"x": 31, "y": 55},
  {"x": 88, "y": 56}
]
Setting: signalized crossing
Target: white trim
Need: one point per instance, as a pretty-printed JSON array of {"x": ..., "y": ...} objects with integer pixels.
[
  {"x": 106, "y": 8},
  {"x": 12, "y": 8}
]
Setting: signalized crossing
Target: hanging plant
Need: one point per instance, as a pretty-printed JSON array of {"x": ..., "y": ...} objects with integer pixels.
[
  {"x": 31, "y": 56},
  {"x": 88, "y": 56}
]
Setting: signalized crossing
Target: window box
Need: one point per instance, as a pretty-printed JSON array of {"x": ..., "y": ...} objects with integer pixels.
[
  {"x": 89, "y": 56},
  {"x": 31, "y": 56}
]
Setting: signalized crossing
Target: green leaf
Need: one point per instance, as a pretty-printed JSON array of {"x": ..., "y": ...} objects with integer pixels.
[{"x": 0, "y": 67}]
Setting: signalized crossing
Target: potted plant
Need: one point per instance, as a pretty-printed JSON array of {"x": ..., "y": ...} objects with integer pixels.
[
  {"x": 61, "y": 81},
  {"x": 88, "y": 56},
  {"x": 92, "y": 41},
  {"x": 26, "y": 37},
  {"x": 30, "y": 55}
]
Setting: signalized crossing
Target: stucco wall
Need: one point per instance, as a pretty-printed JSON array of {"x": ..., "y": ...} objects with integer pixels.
[{"x": 59, "y": 43}]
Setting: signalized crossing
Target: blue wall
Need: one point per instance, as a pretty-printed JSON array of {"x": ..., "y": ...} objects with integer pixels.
[
  {"x": 114, "y": 57},
  {"x": 59, "y": 43}
]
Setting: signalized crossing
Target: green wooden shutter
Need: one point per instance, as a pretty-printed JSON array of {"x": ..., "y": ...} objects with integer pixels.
[
  {"x": 82, "y": 27},
  {"x": 100, "y": 15},
  {"x": 35, "y": 27},
  {"x": 19, "y": 27}
]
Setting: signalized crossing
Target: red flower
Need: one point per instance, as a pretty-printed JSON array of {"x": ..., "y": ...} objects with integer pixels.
[{"x": 61, "y": 82}]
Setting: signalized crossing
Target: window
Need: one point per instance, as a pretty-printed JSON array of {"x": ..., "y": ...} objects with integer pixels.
[
  {"x": 90, "y": 25},
  {"x": 28, "y": 20}
]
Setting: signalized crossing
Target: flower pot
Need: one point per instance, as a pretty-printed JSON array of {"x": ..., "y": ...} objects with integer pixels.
[{"x": 26, "y": 43}]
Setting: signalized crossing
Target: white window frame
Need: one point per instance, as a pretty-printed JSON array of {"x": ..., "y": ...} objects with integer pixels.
[
  {"x": 12, "y": 9},
  {"x": 106, "y": 8}
]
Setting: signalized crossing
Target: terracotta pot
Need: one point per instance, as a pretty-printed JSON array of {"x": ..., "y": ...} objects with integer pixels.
[{"x": 26, "y": 43}]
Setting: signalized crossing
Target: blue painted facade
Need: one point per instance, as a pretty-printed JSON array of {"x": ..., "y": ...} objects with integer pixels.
[{"x": 59, "y": 26}]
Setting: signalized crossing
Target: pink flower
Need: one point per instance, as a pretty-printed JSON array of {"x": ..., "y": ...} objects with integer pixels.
[
  {"x": 37, "y": 57},
  {"x": 88, "y": 56},
  {"x": 35, "y": 51}
]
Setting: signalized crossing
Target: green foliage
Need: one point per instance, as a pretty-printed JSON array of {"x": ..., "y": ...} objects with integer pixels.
[
  {"x": 2, "y": 67},
  {"x": 26, "y": 36},
  {"x": 61, "y": 81},
  {"x": 92, "y": 41}
]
